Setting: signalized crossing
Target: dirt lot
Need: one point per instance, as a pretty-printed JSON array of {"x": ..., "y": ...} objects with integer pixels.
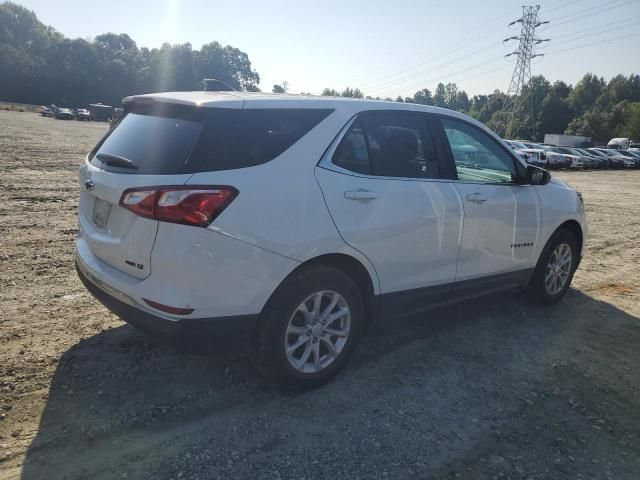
[{"x": 494, "y": 388}]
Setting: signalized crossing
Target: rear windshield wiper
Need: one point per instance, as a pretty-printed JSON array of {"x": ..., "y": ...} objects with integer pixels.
[{"x": 116, "y": 161}]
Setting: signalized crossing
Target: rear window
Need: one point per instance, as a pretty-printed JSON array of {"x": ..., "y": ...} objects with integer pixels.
[
  {"x": 198, "y": 140},
  {"x": 155, "y": 145}
]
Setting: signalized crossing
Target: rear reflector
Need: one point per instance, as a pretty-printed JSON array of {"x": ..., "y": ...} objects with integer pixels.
[
  {"x": 168, "y": 309},
  {"x": 185, "y": 204}
]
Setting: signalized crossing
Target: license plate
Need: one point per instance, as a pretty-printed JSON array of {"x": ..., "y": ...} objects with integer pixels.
[{"x": 101, "y": 210}]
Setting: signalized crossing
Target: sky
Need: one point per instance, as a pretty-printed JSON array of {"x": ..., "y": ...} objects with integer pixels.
[{"x": 385, "y": 48}]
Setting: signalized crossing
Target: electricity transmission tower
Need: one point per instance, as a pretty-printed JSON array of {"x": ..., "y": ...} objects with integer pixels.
[{"x": 527, "y": 42}]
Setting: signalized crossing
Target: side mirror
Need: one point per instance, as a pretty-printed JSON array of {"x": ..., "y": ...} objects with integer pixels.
[{"x": 537, "y": 175}]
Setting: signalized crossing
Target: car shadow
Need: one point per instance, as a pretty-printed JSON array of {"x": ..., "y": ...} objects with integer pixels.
[{"x": 121, "y": 405}]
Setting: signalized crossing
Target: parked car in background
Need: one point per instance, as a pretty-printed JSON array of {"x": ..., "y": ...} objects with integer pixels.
[
  {"x": 46, "y": 111},
  {"x": 64, "y": 114},
  {"x": 615, "y": 160},
  {"x": 542, "y": 153},
  {"x": 180, "y": 233},
  {"x": 575, "y": 161},
  {"x": 82, "y": 114},
  {"x": 534, "y": 156},
  {"x": 555, "y": 159},
  {"x": 631, "y": 155},
  {"x": 587, "y": 160},
  {"x": 611, "y": 163},
  {"x": 601, "y": 160}
]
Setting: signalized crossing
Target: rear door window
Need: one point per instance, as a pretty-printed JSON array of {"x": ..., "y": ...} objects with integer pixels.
[
  {"x": 389, "y": 144},
  {"x": 199, "y": 140},
  {"x": 400, "y": 145}
]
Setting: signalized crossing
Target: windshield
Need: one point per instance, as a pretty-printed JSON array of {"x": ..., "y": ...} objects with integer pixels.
[
  {"x": 609, "y": 153},
  {"x": 570, "y": 151},
  {"x": 549, "y": 148}
]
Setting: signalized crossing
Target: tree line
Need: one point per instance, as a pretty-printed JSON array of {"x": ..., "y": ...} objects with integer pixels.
[
  {"x": 592, "y": 107},
  {"x": 39, "y": 65}
]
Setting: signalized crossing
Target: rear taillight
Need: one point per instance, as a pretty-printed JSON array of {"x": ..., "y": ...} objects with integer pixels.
[{"x": 189, "y": 205}]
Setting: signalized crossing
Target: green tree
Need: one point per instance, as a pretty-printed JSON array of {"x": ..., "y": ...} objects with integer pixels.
[
  {"x": 353, "y": 93},
  {"x": 330, "y": 92},
  {"x": 632, "y": 122},
  {"x": 451, "y": 96},
  {"x": 462, "y": 101},
  {"x": 39, "y": 65},
  {"x": 585, "y": 93},
  {"x": 554, "y": 115},
  {"x": 423, "y": 97},
  {"x": 440, "y": 97},
  {"x": 277, "y": 89}
]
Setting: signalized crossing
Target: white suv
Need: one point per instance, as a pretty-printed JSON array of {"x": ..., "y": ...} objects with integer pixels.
[{"x": 291, "y": 223}]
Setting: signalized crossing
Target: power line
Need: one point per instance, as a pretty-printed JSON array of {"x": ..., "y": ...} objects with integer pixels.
[
  {"x": 452, "y": 74},
  {"x": 503, "y": 67},
  {"x": 374, "y": 88},
  {"x": 383, "y": 84},
  {"x": 377, "y": 84},
  {"x": 452, "y": 49},
  {"x": 432, "y": 79},
  {"x": 561, "y": 6},
  {"x": 593, "y": 43},
  {"x": 589, "y": 35},
  {"x": 618, "y": 23},
  {"x": 601, "y": 8},
  {"x": 422, "y": 63}
]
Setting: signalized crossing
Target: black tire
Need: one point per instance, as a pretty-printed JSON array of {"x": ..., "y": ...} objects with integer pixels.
[
  {"x": 536, "y": 289},
  {"x": 269, "y": 339}
]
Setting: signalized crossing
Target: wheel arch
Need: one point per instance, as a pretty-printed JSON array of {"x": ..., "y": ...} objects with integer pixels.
[
  {"x": 350, "y": 266},
  {"x": 575, "y": 228}
]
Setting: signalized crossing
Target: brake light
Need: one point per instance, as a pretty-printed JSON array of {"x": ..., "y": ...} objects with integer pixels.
[{"x": 186, "y": 204}]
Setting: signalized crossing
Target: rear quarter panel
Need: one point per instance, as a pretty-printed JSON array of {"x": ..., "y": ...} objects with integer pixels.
[{"x": 280, "y": 206}]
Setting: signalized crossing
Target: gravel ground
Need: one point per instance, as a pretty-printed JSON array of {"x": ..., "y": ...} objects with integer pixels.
[{"x": 489, "y": 389}]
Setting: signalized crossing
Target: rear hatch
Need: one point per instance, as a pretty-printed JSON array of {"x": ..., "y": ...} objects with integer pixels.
[{"x": 149, "y": 146}]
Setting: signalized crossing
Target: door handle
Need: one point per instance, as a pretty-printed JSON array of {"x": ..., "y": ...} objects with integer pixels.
[
  {"x": 360, "y": 194},
  {"x": 476, "y": 198}
]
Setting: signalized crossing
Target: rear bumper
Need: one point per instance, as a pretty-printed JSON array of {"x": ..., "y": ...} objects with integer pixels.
[{"x": 220, "y": 333}]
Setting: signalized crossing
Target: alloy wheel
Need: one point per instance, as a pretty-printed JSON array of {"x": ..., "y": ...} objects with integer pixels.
[
  {"x": 317, "y": 331},
  {"x": 558, "y": 269}
]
